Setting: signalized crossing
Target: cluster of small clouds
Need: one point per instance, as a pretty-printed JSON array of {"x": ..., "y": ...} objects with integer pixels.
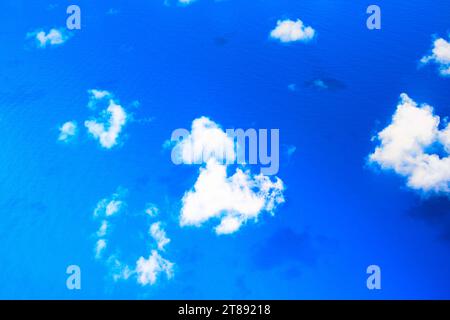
[
  {"x": 146, "y": 270},
  {"x": 292, "y": 31},
  {"x": 54, "y": 37},
  {"x": 233, "y": 200},
  {"x": 414, "y": 146},
  {"x": 105, "y": 128},
  {"x": 105, "y": 209},
  {"x": 440, "y": 55}
]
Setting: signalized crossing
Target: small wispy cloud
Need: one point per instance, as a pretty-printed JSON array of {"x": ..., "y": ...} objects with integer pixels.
[
  {"x": 54, "y": 37},
  {"x": 151, "y": 209},
  {"x": 105, "y": 209},
  {"x": 292, "y": 87},
  {"x": 185, "y": 2},
  {"x": 112, "y": 11},
  {"x": 159, "y": 235},
  {"x": 292, "y": 31},
  {"x": 110, "y": 206},
  {"x": 67, "y": 131},
  {"x": 178, "y": 2},
  {"x": 100, "y": 246}
]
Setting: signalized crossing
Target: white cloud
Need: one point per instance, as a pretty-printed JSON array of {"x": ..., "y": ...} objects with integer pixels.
[
  {"x": 205, "y": 141},
  {"x": 232, "y": 200},
  {"x": 113, "y": 207},
  {"x": 67, "y": 131},
  {"x": 53, "y": 38},
  {"x": 109, "y": 206},
  {"x": 406, "y": 144},
  {"x": 291, "y": 31},
  {"x": 96, "y": 94},
  {"x": 152, "y": 210},
  {"x": 106, "y": 208},
  {"x": 108, "y": 127},
  {"x": 159, "y": 235},
  {"x": 148, "y": 269},
  {"x": 440, "y": 55},
  {"x": 118, "y": 269},
  {"x": 100, "y": 246},
  {"x": 103, "y": 229}
]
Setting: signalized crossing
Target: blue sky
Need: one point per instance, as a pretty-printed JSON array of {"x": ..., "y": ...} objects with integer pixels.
[{"x": 363, "y": 176}]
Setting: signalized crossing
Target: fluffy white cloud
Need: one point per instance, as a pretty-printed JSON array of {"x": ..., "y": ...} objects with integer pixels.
[
  {"x": 206, "y": 141},
  {"x": 406, "y": 147},
  {"x": 67, "y": 131},
  {"x": 233, "y": 200},
  {"x": 159, "y": 235},
  {"x": 53, "y": 38},
  {"x": 440, "y": 55},
  {"x": 107, "y": 128},
  {"x": 291, "y": 31},
  {"x": 148, "y": 269}
]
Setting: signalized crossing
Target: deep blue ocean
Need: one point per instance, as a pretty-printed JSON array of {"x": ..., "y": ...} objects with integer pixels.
[{"x": 215, "y": 59}]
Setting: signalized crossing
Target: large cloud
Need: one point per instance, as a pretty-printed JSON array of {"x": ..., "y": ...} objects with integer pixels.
[
  {"x": 440, "y": 55},
  {"x": 108, "y": 126},
  {"x": 407, "y": 144},
  {"x": 291, "y": 31},
  {"x": 233, "y": 199}
]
